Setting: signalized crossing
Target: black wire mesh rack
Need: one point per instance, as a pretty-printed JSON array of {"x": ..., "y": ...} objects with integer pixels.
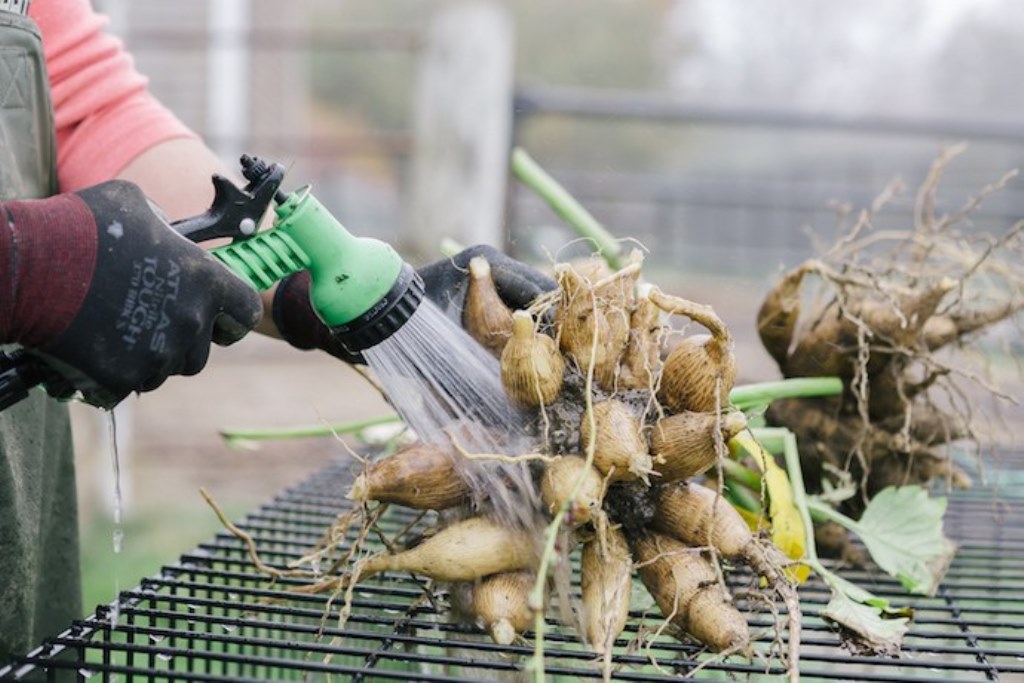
[{"x": 211, "y": 616}]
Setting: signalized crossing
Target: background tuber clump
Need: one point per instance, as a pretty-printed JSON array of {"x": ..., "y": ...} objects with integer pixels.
[{"x": 901, "y": 317}]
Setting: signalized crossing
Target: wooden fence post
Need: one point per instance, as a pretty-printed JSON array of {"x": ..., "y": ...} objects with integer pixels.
[{"x": 462, "y": 130}]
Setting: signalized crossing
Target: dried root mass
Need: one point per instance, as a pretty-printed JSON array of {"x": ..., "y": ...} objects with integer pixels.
[{"x": 897, "y": 315}]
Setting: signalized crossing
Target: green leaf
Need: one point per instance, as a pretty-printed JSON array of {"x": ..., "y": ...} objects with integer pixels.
[
  {"x": 867, "y": 623},
  {"x": 844, "y": 588},
  {"x": 902, "y": 529},
  {"x": 866, "y": 629}
]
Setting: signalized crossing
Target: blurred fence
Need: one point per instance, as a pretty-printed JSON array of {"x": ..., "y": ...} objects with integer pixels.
[
  {"x": 743, "y": 192},
  {"x": 734, "y": 192}
]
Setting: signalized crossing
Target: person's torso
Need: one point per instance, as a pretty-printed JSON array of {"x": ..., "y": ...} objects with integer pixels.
[
  {"x": 27, "y": 148},
  {"x": 39, "y": 575}
]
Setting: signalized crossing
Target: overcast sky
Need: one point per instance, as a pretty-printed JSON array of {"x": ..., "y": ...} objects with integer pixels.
[{"x": 925, "y": 57}]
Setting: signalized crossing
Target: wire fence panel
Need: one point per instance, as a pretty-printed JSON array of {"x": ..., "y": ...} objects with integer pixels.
[{"x": 212, "y": 616}]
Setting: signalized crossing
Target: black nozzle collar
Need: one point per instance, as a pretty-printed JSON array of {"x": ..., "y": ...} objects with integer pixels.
[{"x": 386, "y": 316}]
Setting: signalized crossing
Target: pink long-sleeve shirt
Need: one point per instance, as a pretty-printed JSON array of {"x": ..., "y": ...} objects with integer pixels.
[{"x": 105, "y": 115}]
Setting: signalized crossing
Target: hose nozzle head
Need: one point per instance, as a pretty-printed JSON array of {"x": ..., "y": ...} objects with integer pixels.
[
  {"x": 386, "y": 316},
  {"x": 360, "y": 287}
]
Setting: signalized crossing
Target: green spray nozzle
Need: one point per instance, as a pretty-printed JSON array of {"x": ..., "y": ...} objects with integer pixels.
[{"x": 360, "y": 287}]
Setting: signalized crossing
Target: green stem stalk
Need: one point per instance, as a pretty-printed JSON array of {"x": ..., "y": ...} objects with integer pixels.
[
  {"x": 536, "y": 663},
  {"x": 529, "y": 172},
  {"x": 804, "y": 504},
  {"x": 773, "y": 439},
  {"x": 262, "y": 434},
  {"x": 450, "y": 247},
  {"x": 823, "y": 511},
  {"x": 741, "y": 475},
  {"x": 796, "y": 482},
  {"x": 744, "y": 498},
  {"x": 762, "y": 393}
]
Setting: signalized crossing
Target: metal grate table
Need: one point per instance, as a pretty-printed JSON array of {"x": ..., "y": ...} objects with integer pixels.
[{"x": 211, "y": 616}]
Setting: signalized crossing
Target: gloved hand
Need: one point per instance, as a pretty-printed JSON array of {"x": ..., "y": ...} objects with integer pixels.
[
  {"x": 446, "y": 282},
  {"x": 109, "y": 295},
  {"x": 517, "y": 283}
]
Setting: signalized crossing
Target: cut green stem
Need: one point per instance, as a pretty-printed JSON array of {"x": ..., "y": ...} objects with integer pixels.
[
  {"x": 450, "y": 247},
  {"x": 529, "y": 172},
  {"x": 772, "y": 439},
  {"x": 824, "y": 512},
  {"x": 741, "y": 475},
  {"x": 742, "y": 497},
  {"x": 762, "y": 393},
  {"x": 535, "y": 665},
  {"x": 301, "y": 432}
]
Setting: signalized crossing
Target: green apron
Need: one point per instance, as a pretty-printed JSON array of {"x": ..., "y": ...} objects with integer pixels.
[{"x": 40, "y": 588}]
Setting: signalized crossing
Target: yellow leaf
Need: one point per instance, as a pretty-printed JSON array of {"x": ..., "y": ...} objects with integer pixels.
[
  {"x": 787, "y": 525},
  {"x": 754, "y": 520}
]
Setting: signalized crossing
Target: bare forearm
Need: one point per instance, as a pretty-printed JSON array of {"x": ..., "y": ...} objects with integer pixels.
[{"x": 176, "y": 175}]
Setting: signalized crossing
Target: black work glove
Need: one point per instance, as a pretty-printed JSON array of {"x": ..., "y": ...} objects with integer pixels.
[
  {"x": 446, "y": 281},
  {"x": 300, "y": 326},
  {"x": 518, "y": 284},
  {"x": 106, "y": 292}
]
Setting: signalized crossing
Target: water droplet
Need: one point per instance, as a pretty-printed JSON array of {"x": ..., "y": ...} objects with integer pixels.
[
  {"x": 115, "y": 459},
  {"x": 163, "y": 656},
  {"x": 155, "y": 637},
  {"x": 86, "y": 673},
  {"x": 232, "y": 596},
  {"x": 228, "y": 627}
]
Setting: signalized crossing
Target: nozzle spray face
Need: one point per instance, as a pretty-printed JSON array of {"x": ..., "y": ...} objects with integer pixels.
[{"x": 386, "y": 316}]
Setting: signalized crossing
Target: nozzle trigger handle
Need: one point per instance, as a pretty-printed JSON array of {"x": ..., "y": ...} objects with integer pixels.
[
  {"x": 235, "y": 212},
  {"x": 20, "y": 371}
]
